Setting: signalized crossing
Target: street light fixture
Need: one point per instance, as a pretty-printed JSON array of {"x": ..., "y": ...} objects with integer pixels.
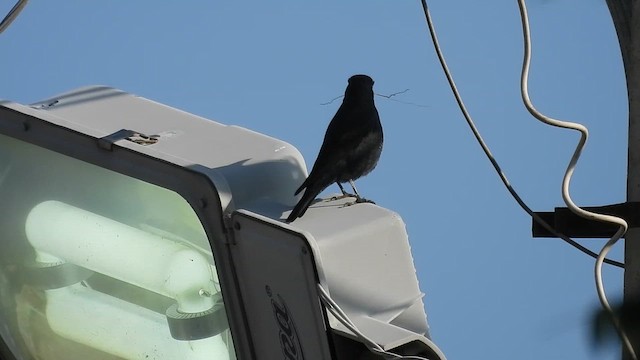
[{"x": 132, "y": 230}]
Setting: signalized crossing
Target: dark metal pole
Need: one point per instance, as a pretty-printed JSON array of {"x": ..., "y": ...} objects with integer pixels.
[
  {"x": 625, "y": 19},
  {"x": 632, "y": 240}
]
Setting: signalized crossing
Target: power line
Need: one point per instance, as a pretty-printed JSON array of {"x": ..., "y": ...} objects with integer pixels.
[
  {"x": 12, "y": 15},
  {"x": 566, "y": 181},
  {"x": 490, "y": 156}
]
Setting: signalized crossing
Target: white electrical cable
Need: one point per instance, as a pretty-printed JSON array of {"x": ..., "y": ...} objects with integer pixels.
[
  {"x": 339, "y": 314},
  {"x": 601, "y": 257},
  {"x": 566, "y": 181},
  {"x": 488, "y": 153}
]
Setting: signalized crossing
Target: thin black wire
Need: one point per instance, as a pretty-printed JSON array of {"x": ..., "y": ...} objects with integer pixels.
[{"x": 490, "y": 156}]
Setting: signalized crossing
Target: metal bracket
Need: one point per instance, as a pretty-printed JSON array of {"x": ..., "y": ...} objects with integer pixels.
[
  {"x": 107, "y": 142},
  {"x": 566, "y": 222}
]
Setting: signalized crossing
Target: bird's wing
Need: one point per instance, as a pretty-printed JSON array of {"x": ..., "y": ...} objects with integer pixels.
[
  {"x": 347, "y": 131},
  {"x": 343, "y": 134}
]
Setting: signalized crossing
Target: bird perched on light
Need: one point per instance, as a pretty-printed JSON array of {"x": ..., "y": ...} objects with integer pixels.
[{"x": 351, "y": 148}]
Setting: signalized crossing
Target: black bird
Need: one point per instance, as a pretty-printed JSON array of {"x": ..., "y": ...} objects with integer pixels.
[{"x": 351, "y": 148}]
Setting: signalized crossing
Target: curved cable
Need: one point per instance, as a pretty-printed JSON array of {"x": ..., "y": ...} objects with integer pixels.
[
  {"x": 12, "y": 15},
  {"x": 490, "y": 156},
  {"x": 339, "y": 314},
  {"x": 566, "y": 181}
]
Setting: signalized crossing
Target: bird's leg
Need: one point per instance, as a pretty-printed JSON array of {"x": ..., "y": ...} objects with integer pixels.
[
  {"x": 359, "y": 199},
  {"x": 353, "y": 186},
  {"x": 344, "y": 193}
]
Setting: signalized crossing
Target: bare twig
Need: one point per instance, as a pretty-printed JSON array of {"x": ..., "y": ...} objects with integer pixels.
[
  {"x": 394, "y": 94},
  {"x": 384, "y": 96},
  {"x": 408, "y": 103},
  {"x": 332, "y": 100},
  {"x": 400, "y": 101}
]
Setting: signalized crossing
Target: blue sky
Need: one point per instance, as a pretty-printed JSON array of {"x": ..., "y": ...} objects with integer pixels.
[{"x": 492, "y": 291}]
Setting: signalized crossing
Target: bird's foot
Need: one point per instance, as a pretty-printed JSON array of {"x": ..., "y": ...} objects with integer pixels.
[
  {"x": 344, "y": 195},
  {"x": 360, "y": 200}
]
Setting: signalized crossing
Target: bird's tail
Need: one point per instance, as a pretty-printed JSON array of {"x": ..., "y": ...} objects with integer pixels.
[
  {"x": 302, "y": 205},
  {"x": 304, "y": 185}
]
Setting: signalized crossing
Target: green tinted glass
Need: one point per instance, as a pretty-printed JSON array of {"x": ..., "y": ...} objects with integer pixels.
[{"x": 98, "y": 265}]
